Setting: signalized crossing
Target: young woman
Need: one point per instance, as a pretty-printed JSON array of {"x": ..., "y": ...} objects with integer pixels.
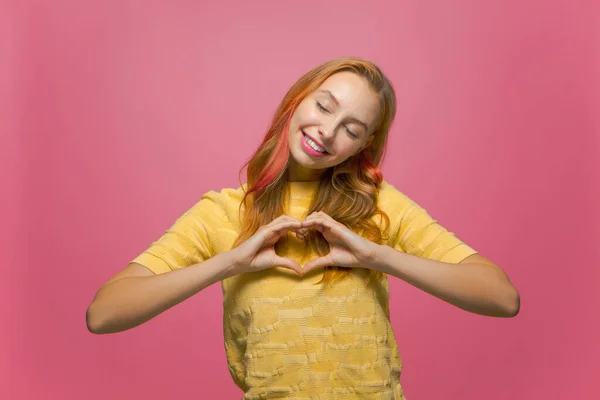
[{"x": 304, "y": 248}]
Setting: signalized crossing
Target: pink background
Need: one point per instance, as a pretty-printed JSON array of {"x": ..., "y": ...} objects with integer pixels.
[{"x": 116, "y": 117}]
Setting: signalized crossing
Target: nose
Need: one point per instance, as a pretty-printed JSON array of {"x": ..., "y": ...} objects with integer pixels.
[{"x": 327, "y": 130}]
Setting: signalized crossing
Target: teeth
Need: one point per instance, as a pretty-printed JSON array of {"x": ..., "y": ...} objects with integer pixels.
[{"x": 314, "y": 145}]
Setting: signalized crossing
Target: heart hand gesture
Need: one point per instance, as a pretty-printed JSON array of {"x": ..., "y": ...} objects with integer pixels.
[
  {"x": 258, "y": 251},
  {"x": 347, "y": 249}
]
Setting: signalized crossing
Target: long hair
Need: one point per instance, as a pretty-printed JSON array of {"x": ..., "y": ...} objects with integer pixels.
[{"x": 347, "y": 192}]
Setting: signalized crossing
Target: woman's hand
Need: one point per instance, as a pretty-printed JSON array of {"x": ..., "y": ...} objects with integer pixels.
[
  {"x": 347, "y": 249},
  {"x": 258, "y": 251}
]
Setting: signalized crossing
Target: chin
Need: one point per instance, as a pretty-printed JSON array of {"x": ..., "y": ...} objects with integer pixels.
[{"x": 302, "y": 159}]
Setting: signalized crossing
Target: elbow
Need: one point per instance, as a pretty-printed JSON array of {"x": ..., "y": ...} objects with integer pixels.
[
  {"x": 513, "y": 304},
  {"x": 94, "y": 321}
]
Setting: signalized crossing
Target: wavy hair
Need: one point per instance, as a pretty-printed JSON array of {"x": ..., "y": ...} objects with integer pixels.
[{"x": 347, "y": 192}]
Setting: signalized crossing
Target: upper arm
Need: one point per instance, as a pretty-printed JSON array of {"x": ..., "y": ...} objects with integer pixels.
[
  {"x": 189, "y": 240},
  {"x": 477, "y": 259},
  {"x": 133, "y": 269},
  {"x": 415, "y": 232}
]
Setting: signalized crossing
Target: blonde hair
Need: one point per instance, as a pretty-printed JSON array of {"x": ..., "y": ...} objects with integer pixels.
[{"x": 346, "y": 192}]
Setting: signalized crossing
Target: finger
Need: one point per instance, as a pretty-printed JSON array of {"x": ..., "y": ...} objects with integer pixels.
[
  {"x": 307, "y": 225},
  {"x": 325, "y": 215},
  {"x": 292, "y": 219},
  {"x": 275, "y": 231},
  {"x": 313, "y": 215},
  {"x": 317, "y": 222},
  {"x": 320, "y": 214},
  {"x": 317, "y": 263},
  {"x": 303, "y": 231},
  {"x": 288, "y": 263},
  {"x": 293, "y": 224},
  {"x": 282, "y": 220},
  {"x": 286, "y": 218}
]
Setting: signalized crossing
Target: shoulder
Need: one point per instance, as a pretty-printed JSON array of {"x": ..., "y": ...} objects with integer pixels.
[
  {"x": 390, "y": 197},
  {"x": 225, "y": 201},
  {"x": 226, "y": 195},
  {"x": 394, "y": 202}
]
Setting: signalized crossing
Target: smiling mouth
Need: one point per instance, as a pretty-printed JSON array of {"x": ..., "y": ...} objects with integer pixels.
[{"x": 312, "y": 145}]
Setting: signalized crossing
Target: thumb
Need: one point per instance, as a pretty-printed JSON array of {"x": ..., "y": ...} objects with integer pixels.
[
  {"x": 288, "y": 263},
  {"x": 320, "y": 262}
]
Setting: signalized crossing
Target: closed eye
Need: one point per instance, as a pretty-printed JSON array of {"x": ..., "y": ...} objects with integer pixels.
[
  {"x": 320, "y": 107},
  {"x": 354, "y": 135},
  {"x": 323, "y": 109}
]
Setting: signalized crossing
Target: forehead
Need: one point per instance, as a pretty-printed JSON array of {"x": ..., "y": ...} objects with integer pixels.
[{"x": 352, "y": 92}]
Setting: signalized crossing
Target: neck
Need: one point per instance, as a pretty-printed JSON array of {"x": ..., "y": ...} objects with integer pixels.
[{"x": 298, "y": 173}]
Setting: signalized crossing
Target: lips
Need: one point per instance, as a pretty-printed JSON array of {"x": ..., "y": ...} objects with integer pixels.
[{"x": 317, "y": 142}]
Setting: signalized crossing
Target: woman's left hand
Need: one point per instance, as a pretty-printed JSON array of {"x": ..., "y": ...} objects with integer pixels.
[{"x": 347, "y": 249}]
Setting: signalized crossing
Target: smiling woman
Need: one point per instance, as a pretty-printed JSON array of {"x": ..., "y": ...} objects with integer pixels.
[
  {"x": 331, "y": 125},
  {"x": 304, "y": 249}
]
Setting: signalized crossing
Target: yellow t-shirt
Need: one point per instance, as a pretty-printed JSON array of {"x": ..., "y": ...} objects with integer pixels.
[{"x": 286, "y": 337}]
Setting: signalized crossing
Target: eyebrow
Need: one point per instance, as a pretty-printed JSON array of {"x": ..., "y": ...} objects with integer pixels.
[{"x": 358, "y": 121}]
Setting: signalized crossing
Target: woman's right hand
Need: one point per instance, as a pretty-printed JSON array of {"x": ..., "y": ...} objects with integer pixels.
[{"x": 258, "y": 251}]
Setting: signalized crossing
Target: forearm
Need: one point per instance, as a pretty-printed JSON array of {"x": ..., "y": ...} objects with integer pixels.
[
  {"x": 476, "y": 288},
  {"x": 131, "y": 301}
]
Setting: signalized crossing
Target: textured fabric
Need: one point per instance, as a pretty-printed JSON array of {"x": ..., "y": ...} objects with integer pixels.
[{"x": 286, "y": 337}]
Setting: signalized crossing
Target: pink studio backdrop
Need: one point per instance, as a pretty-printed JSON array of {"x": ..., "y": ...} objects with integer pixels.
[{"x": 117, "y": 116}]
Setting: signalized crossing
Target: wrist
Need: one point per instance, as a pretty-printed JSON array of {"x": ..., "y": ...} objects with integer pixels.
[
  {"x": 380, "y": 254},
  {"x": 232, "y": 262}
]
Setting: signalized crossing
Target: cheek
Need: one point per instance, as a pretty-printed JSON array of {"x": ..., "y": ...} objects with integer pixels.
[
  {"x": 295, "y": 123},
  {"x": 305, "y": 115},
  {"x": 346, "y": 147}
]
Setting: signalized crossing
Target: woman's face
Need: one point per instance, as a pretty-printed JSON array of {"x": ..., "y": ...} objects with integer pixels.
[{"x": 331, "y": 124}]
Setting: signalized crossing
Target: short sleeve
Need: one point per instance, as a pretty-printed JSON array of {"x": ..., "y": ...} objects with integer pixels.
[
  {"x": 413, "y": 231},
  {"x": 189, "y": 240}
]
